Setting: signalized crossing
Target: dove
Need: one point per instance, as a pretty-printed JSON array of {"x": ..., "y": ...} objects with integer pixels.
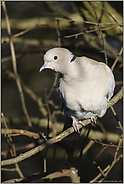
[{"x": 85, "y": 85}]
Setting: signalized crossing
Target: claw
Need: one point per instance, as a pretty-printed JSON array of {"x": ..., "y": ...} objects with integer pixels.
[
  {"x": 93, "y": 120},
  {"x": 75, "y": 124}
]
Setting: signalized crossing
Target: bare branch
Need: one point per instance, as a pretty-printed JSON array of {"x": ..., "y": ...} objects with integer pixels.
[
  {"x": 104, "y": 49},
  {"x": 31, "y": 93},
  {"x": 116, "y": 98},
  {"x": 90, "y": 31},
  {"x": 72, "y": 173},
  {"x": 87, "y": 22},
  {"x": 14, "y": 64},
  {"x": 119, "y": 123},
  {"x": 17, "y": 132},
  {"x": 107, "y": 12},
  {"x": 107, "y": 136},
  {"x": 12, "y": 148},
  {"x": 116, "y": 60}
]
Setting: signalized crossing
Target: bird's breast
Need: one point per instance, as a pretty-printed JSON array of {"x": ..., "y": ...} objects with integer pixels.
[{"x": 83, "y": 100}]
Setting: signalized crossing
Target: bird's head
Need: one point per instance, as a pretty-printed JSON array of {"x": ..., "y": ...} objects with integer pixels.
[{"x": 57, "y": 59}]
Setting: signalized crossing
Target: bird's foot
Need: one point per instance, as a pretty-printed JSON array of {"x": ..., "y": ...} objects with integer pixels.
[
  {"x": 93, "y": 121},
  {"x": 75, "y": 124}
]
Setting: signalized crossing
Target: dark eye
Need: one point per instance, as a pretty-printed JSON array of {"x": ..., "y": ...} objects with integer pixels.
[{"x": 55, "y": 57}]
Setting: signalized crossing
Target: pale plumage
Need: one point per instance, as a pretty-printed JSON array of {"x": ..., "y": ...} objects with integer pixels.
[{"x": 86, "y": 85}]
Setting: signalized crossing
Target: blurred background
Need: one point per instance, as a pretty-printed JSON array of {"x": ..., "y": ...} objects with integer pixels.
[{"x": 88, "y": 29}]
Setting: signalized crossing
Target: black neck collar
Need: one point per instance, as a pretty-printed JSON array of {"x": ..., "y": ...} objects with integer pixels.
[{"x": 74, "y": 57}]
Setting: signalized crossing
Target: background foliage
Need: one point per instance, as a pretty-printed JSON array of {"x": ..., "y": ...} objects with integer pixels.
[{"x": 31, "y": 114}]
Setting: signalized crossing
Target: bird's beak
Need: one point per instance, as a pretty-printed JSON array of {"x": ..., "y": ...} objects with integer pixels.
[{"x": 43, "y": 67}]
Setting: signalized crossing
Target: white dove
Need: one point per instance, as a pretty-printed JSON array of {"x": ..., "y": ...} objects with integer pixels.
[{"x": 86, "y": 85}]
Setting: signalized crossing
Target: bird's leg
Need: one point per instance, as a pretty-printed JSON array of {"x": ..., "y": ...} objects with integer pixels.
[{"x": 75, "y": 124}]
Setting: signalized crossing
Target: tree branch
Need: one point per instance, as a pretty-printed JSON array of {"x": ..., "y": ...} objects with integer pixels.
[{"x": 14, "y": 64}]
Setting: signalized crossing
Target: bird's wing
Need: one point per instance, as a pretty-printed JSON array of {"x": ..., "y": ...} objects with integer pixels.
[{"x": 91, "y": 88}]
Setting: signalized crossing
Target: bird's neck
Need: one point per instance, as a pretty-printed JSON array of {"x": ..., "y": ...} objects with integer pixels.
[{"x": 75, "y": 70}]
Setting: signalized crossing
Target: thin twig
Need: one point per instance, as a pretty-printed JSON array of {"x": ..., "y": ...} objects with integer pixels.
[
  {"x": 102, "y": 172},
  {"x": 118, "y": 147},
  {"x": 23, "y": 32},
  {"x": 116, "y": 60},
  {"x": 56, "y": 74},
  {"x": 107, "y": 12},
  {"x": 108, "y": 145},
  {"x": 17, "y": 132},
  {"x": 58, "y": 29},
  {"x": 54, "y": 84},
  {"x": 99, "y": 175},
  {"x": 116, "y": 98},
  {"x": 14, "y": 64},
  {"x": 49, "y": 114},
  {"x": 7, "y": 169},
  {"x": 118, "y": 83},
  {"x": 111, "y": 166},
  {"x": 86, "y": 22},
  {"x": 101, "y": 151},
  {"x": 12, "y": 149},
  {"x": 105, "y": 171},
  {"x": 30, "y": 92},
  {"x": 104, "y": 49},
  {"x": 72, "y": 173},
  {"x": 119, "y": 123},
  {"x": 90, "y": 31},
  {"x": 116, "y": 159}
]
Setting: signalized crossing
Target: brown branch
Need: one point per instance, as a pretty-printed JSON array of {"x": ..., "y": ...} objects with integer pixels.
[
  {"x": 7, "y": 169},
  {"x": 38, "y": 100},
  {"x": 54, "y": 84},
  {"x": 108, "y": 145},
  {"x": 58, "y": 29},
  {"x": 14, "y": 64},
  {"x": 56, "y": 74},
  {"x": 118, "y": 147},
  {"x": 116, "y": 159},
  {"x": 115, "y": 115},
  {"x": 17, "y": 180},
  {"x": 12, "y": 148},
  {"x": 99, "y": 175},
  {"x": 58, "y": 137},
  {"x": 87, "y": 22},
  {"x": 72, "y": 173},
  {"x": 111, "y": 166},
  {"x": 17, "y": 132},
  {"x": 102, "y": 172},
  {"x": 38, "y": 148},
  {"x": 90, "y": 31},
  {"x": 40, "y": 122},
  {"x": 106, "y": 170},
  {"x": 101, "y": 151},
  {"x": 104, "y": 49},
  {"x": 116, "y": 98},
  {"x": 20, "y": 33},
  {"x": 118, "y": 83},
  {"x": 24, "y": 32},
  {"x": 116, "y": 60},
  {"x": 107, "y": 12}
]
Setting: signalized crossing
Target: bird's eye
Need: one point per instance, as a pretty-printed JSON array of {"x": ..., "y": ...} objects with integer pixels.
[{"x": 55, "y": 57}]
